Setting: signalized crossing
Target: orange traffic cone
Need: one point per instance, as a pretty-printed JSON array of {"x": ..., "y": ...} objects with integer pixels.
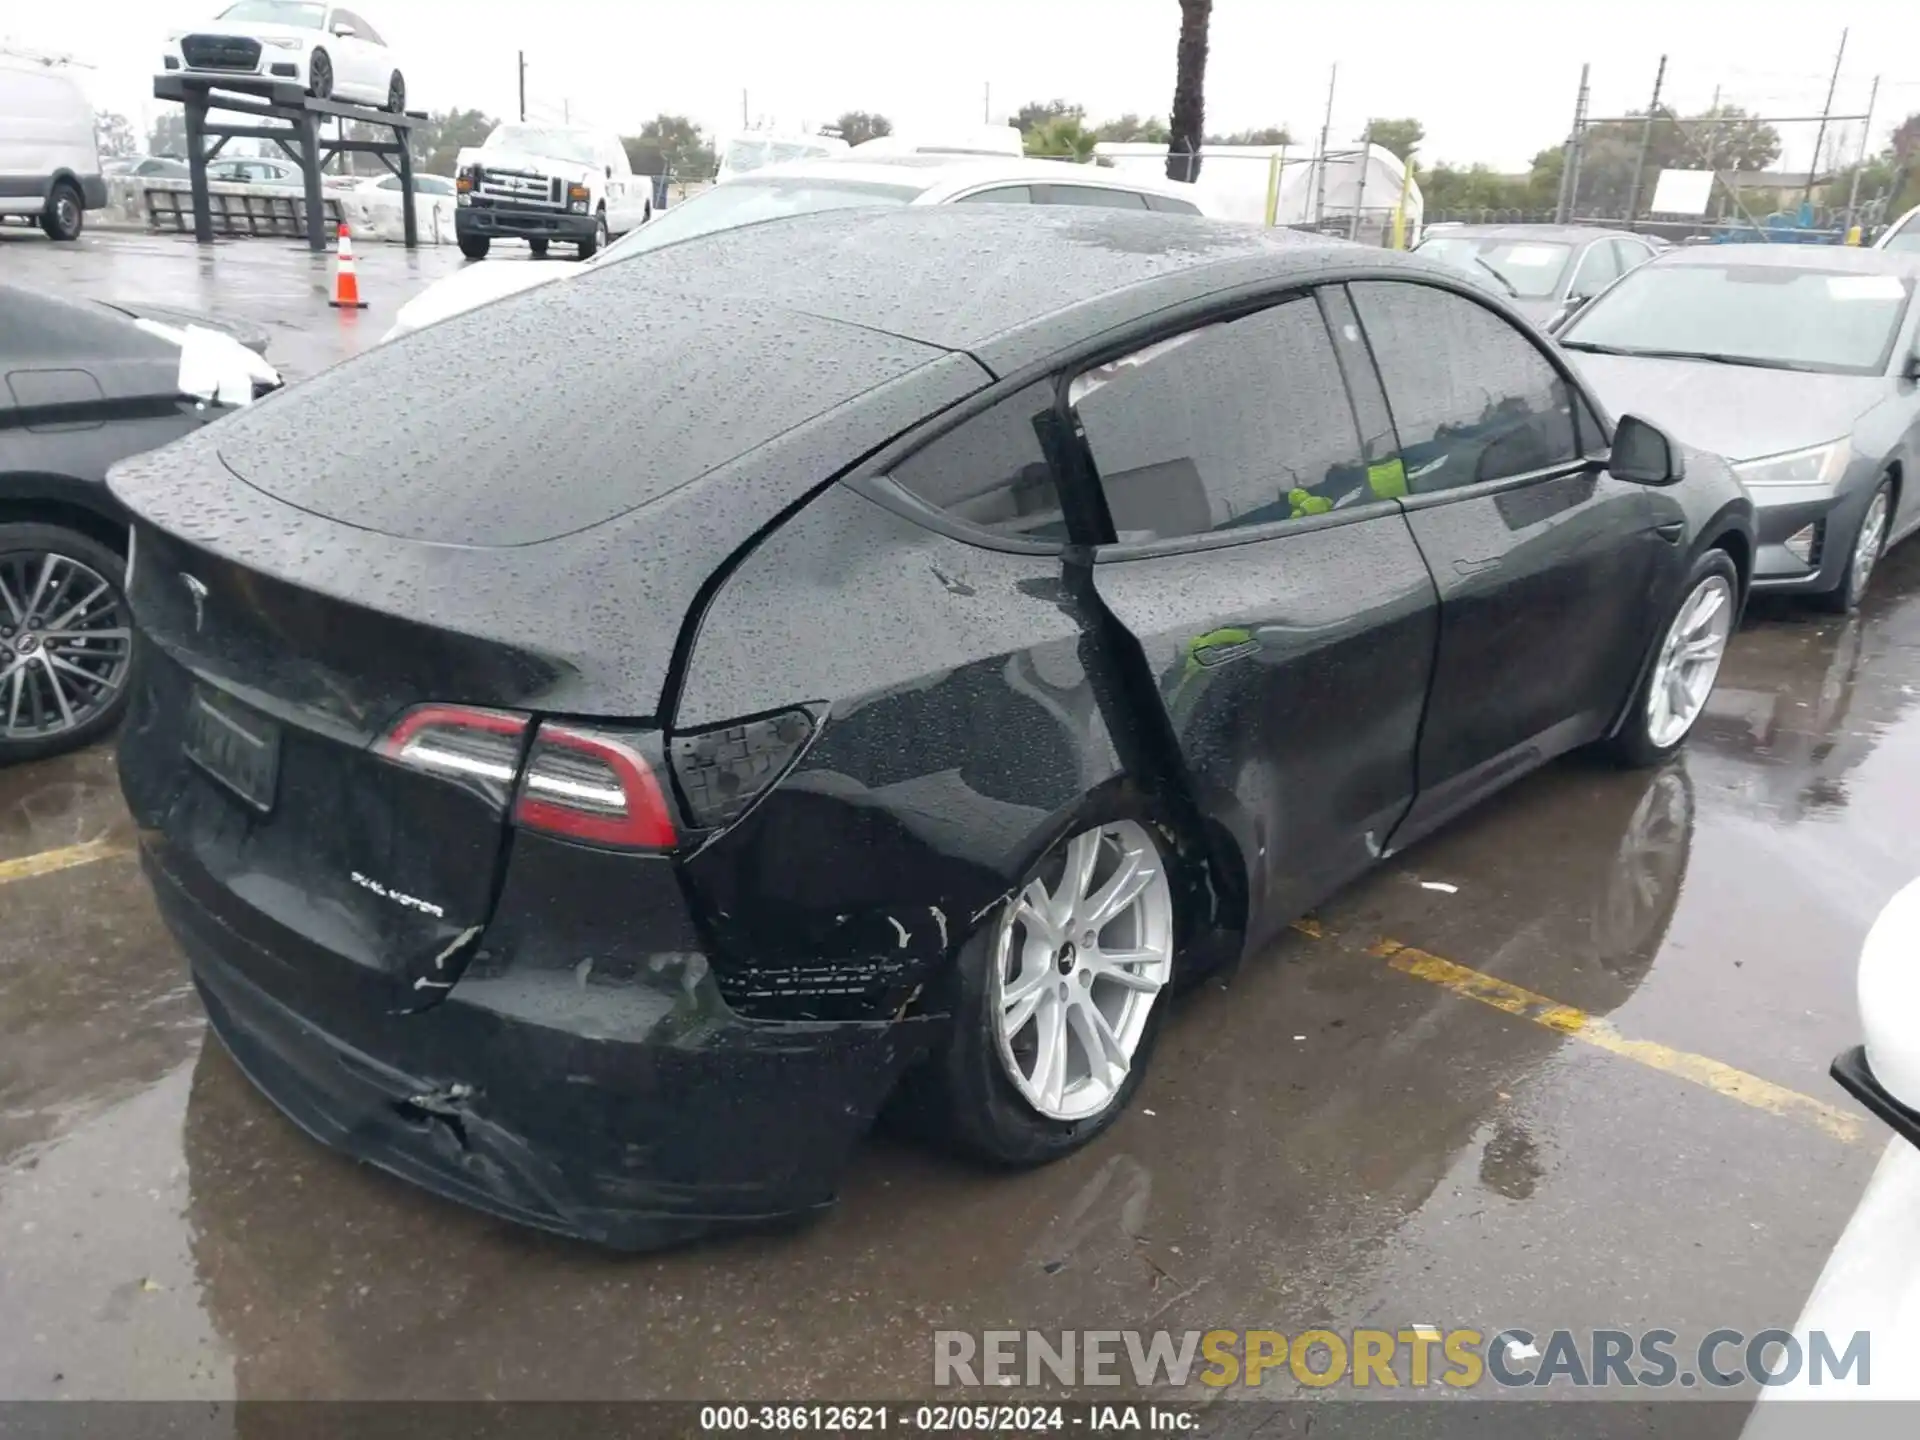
[{"x": 346, "y": 283}]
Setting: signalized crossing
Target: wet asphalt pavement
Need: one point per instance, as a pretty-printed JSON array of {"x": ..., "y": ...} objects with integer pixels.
[{"x": 1342, "y": 1135}]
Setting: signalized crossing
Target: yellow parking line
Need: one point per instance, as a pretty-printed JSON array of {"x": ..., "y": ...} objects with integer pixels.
[
  {"x": 48, "y": 862},
  {"x": 1570, "y": 1021}
]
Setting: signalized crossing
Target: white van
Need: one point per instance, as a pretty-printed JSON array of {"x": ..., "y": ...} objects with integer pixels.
[{"x": 49, "y": 165}]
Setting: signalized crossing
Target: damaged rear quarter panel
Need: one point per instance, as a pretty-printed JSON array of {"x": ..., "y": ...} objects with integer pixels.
[{"x": 961, "y": 722}]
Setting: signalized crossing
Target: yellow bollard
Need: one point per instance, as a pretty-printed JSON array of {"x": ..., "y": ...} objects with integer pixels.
[{"x": 1853, "y": 235}]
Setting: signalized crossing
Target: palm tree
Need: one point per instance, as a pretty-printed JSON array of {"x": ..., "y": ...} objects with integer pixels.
[{"x": 1189, "y": 119}]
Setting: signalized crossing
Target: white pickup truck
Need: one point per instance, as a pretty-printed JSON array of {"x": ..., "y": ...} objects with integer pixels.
[{"x": 542, "y": 183}]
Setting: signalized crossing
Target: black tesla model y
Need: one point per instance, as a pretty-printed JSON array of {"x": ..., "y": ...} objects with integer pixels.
[{"x": 597, "y": 752}]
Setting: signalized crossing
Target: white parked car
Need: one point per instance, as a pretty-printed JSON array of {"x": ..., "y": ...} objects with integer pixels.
[
  {"x": 541, "y": 183},
  {"x": 831, "y": 184},
  {"x": 49, "y": 165},
  {"x": 1902, "y": 234},
  {"x": 440, "y": 187},
  {"x": 1871, "y": 1282},
  {"x": 329, "y": 52},
  {"x": 265, "y": 170}
]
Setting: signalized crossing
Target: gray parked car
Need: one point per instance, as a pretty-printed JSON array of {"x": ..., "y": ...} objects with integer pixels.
[
  {"x": 1544, "y": 271},
  {"x": 1796, "y": 362}
]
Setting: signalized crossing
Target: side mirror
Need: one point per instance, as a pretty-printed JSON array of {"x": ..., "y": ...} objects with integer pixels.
[
  {"x": 1643, "y": 454},
  {"x": 1912, "y": 372},
  {"x": 609, "y": 172},
  {"x": 344, "y": 29}
]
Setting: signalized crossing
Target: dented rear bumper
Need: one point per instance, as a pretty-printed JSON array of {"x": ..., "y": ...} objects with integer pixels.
[{"x": 632, "y": 1114}]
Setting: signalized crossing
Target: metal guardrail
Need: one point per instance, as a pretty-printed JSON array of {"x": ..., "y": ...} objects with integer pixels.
[{"x": 256, "y": 211}]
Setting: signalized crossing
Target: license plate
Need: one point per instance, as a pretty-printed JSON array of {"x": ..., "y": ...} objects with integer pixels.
[{"x": 238, "y": 747}]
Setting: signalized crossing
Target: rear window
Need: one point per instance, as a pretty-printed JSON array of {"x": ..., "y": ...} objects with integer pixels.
[
  {"x": 617, "y": 395},
  {"x": 749, "y": 201},
  {"x": 990, "y": 471}
]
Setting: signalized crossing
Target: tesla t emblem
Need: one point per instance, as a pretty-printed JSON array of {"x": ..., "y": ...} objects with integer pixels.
[{"x": 199, "y": 593}]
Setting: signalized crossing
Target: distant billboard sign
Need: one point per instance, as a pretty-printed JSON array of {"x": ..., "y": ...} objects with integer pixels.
[{"x": 1682, "y": 192}]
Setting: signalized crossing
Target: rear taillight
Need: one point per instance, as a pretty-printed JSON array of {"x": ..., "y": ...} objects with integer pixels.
[
  {"x": 594, "y": 787},
  {"x": 478, "y": 750}
]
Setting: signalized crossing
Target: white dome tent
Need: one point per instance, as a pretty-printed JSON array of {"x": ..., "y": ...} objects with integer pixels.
[{"x": 1358, "y": 190}]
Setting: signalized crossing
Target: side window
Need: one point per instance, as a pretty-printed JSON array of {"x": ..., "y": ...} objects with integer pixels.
[
  {"x": 1171, "y": 206},
  {"x": 990, "y": 471},
  {"x": 1472, "y": 397},
  {"x": 1000, "y": 195},
  {"x": 1095, "y": 195},
  {"x": 1598, "y": 269},
  {"x": 1906, "y": 238},
  {"x": 1631, "y": 254},
  {"x": 1232, "y": 425}
]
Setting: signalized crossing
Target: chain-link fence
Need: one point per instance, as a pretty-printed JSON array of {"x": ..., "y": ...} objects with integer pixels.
[{"x": 1793, "y": 179}]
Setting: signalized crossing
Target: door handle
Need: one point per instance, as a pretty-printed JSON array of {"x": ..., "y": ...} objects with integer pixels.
[
  {"x": 1673, "y": 532},
  {"x": 1474, "y": 567}
]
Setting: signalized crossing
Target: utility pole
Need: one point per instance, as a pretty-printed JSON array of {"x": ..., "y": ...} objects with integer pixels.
[
  {"x": 1866, "y": 133},
  {"x": 1360, "y": 191},
  {"x": 986, "y": 104},
  {"x": 523, "y": 86},
  {"x": 1326, "y": 130},
  {"x": 1820, "y": 135},
  {"x": 743, "y": 110},
  {"x": 1563, "y": 206},
  {"x": 1646, "y": 143}
]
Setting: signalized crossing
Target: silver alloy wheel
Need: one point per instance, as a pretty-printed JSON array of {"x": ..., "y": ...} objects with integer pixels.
[
  {"x": 1079, "y": 960},
  {"x": 66, "y": 212},
  {"x": 1867, "y": 546},
  {"x": 1689, "y": 661},
  {"x": 64, "y": 644}
]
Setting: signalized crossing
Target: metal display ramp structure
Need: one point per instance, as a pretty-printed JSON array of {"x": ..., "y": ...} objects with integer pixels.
[{"x": 298, "y": 135}]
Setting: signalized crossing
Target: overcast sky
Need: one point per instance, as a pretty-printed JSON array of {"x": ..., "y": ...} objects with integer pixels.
[{"x": 1492, "y": 80}]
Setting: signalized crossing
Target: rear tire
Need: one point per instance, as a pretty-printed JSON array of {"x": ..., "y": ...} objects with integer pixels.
[
  {"x": 1845, "y": 597},
  {"x": 66, "y": 212},
  {"x": 475, "y": 247},
  {"x": 978, "y": 1094},
  {"x": 28, "y": 544},
  {"x": 1673, "y": 694}
]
